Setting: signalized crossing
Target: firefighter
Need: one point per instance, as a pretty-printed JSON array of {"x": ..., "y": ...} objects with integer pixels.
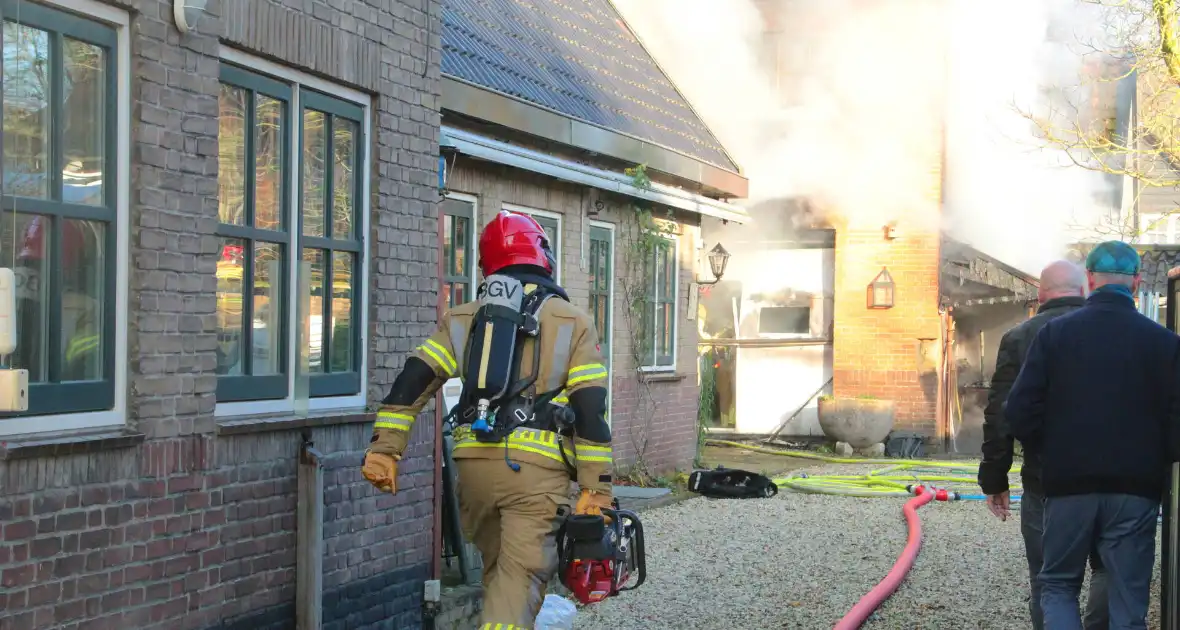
[{"x": 513, "y": 492}]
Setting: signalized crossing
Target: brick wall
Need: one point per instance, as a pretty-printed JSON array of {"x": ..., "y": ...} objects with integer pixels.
[
  {"x": 877, "y": 352},
  {"x": 194, "y": 527},
  {"x": 659, "y": 419}
]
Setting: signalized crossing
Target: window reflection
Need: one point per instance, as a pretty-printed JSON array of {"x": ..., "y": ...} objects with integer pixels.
[
  {"x": 83, "y": 131},
  {"x": 82, "y": 298},
  {"x": 26, "y": 111},
  {"x": 230, "y": 267},
  {"x": 231, "y": 161}
]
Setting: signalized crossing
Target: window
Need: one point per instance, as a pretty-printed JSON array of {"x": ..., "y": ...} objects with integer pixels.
[
  {"x": 551, "y": 223},
  {"x": 660, "y": 335},
  {"x": 601, "y": 270},
  {"x": 291, "y": 191},
  {"x": 458, "y": 214},
  {"x": 59, "y": 228},
  {"x": 783, "y": 320},
  {"x": 1157, "y": 229}
]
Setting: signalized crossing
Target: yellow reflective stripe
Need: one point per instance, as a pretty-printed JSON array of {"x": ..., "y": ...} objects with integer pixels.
[
  {"x": 451, "y": 365},
  {"x": 562, "y": 399},
  {"x": 393, "y": 420},
  {"x": 437, "y": 359},
  {"x": 592, "y": 453},
  {"x": 588, "y": 366},
  {"x": 589, "y": 448},
  {"x": 528, "y": 440},
  {"x": 585, "y": 377},
  {"x": 81, "y": 345}
]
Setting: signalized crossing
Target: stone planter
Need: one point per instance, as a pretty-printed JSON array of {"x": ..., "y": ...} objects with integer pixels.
[{"x": 856, "y": 423}]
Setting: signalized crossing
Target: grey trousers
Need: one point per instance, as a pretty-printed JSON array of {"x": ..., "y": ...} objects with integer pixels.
[
  {"x": 1121, "y": 527},
  {"x": 1032, "y": 528}
]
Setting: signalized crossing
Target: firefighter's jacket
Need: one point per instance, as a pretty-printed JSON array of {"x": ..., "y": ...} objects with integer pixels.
[{"x": 571, "y": 364}]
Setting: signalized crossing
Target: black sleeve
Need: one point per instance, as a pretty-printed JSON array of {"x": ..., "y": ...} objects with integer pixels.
[
  {"x": 997, "y": 441},
  {"x": 589, "y": 407}
]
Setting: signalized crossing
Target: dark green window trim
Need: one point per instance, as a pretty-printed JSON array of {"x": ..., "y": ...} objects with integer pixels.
[
  {"x": 247, "y": 387},
  {"x": 55, "y": 396},
  {"x": 239, "y": 388},
  {"x": 327, "y": 383},
  {"x": 462, "y": 209}
]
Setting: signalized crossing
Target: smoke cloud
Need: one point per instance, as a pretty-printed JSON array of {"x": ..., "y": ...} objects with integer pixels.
[{"x": 847, "y": 109}]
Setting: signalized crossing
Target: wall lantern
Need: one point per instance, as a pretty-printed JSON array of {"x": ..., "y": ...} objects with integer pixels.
[
  {"x": 188, "y": 13},
  {"x": 718, "y": 259},
  {"x": 447, "y": 154},
  {"x": 881, "y": 290}
]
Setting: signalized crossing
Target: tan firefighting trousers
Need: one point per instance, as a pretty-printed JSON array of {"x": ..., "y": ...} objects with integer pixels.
[{"x": 513, "y": 518}]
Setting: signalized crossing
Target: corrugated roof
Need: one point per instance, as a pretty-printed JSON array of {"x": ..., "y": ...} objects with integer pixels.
[
  {"x": 577, "y": 57},
  {"x": 1155, "y": 261}
]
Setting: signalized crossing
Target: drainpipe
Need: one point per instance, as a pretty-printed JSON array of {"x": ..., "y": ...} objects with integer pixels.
[{"x": 309, "y": 538}]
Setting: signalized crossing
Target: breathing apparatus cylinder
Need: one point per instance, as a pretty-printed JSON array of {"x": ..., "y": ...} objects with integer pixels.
[{"x": 491, "y": 363}]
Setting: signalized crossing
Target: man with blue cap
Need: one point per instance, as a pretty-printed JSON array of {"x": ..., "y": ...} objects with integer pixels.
[{"x": 1096, "y": 399}]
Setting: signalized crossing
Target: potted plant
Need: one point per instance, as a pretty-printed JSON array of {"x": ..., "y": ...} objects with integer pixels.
[{"x": 862, "y": 422}]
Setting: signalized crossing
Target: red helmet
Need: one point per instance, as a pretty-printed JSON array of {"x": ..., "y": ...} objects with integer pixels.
[{"x": 514, "y": 239}]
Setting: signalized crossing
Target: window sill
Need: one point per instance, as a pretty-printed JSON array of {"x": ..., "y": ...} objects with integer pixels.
[
  {"x": 663, "y": 377},
  {"x": 285, "y": 422},
  {"x": 69, "y": 443}
]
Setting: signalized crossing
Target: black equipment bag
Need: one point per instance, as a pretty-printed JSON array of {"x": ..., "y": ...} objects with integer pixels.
[{"x": 729, "y": 483}]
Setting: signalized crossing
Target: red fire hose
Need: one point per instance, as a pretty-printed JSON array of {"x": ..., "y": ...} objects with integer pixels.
[{"x": 874, "y": 598}]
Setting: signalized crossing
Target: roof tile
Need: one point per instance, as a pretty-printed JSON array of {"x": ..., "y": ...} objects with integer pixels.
[{"x": 576, "y": 57}]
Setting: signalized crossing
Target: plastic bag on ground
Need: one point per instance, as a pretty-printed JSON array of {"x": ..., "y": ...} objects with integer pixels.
[{"x": 557, "y": 613}]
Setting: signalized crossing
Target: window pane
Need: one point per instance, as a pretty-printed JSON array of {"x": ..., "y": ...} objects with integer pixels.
[
  {"x": 230, "y": 267},
  {"x": 231, "y": 157},
  {"x": 26, "y": 111},
  {"x": 29, "y": 235},
  {"x": 461, "y": 245},
  {"x": 82, "y": 277},
  {"x": 458, "y": 293},
  {"x": 448, "y": 252},
  {"x": 669, "y": 333},
  {"x": 84, "y": 127},
  {"x": 268, "y": 163},
  {"x": 344, "y": 135},
  {"x": 668, "y": 274},
  {"x": 342, "y": 266},
  {"x": 314, "y": 145},
  {"x": 315, "y": 309},
  {"x": 268, "y": 309}
]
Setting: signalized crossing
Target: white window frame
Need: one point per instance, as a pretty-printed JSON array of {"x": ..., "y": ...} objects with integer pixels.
[
  {"x": 557, "y": 247},
  {"x": 651, "y": 367},
  {"x": 299, "y": 79},
  {"x": 457, "y": 382},
  {"x": 471, "y": 236},
  {"x": 117, "y": 415},
  {"x": 610, "y": 333}
]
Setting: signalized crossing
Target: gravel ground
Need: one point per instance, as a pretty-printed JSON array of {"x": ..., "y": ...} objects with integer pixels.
[{"x": 802, "y": 560}]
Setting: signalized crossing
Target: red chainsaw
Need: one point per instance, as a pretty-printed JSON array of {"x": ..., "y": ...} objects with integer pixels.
[{"x": 599, "y": 559}]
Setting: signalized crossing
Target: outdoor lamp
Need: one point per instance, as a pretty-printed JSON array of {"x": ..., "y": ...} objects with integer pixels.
[
  {"x": 718, "y": 259},
  {"x": 880, "y": 290},
  {"x": 447, "y": 154}
]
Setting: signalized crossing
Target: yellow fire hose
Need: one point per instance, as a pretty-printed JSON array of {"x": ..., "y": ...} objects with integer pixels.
[{"x": 896, "y": 479}]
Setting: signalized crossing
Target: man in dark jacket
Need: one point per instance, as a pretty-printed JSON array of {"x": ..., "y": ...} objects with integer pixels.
[
  {"x": 1062, "y": 290},
  {"x": 1096, "y": 400}
]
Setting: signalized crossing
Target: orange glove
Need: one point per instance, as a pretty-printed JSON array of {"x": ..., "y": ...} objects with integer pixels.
[
  {"x": 592, "y": 503},
  {"x": 381, "y": 471}
]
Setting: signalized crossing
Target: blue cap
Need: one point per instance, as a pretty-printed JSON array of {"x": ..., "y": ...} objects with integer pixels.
[{"x": 1113, "y": 257}]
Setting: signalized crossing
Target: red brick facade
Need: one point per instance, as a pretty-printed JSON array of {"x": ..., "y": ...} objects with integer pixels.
[{"x": 880, "y": 352}]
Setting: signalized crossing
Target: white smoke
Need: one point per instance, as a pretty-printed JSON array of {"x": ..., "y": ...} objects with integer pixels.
[{"x": 848, "y": 110}]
